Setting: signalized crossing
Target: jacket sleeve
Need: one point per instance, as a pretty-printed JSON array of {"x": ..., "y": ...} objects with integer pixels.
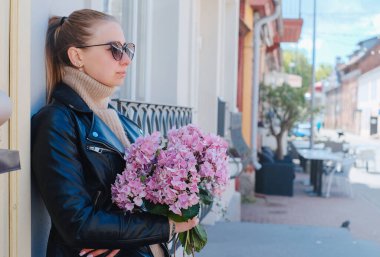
[{"x": 59, "y": 174}]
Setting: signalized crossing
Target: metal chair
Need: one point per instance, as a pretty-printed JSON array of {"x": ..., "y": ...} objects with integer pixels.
[
  {"x": 341, "y": 170},
  {"x": 365, "y": 156}
]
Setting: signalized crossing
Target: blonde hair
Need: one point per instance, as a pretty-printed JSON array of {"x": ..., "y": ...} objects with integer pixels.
[{"x": 63, "y": 33}]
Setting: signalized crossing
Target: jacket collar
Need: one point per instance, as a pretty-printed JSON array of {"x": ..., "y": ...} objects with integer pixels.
[
  {"x": 99, "y": 131},
  {"x": 66, "y": 95}
]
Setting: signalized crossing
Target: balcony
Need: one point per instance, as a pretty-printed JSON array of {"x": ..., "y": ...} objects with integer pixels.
[{"x": 154, "y": 117}]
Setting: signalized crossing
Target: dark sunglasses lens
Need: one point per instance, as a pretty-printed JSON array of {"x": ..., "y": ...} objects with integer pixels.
[
  {"x": 130, "y": 50},
  {"x": 117, "y": 52},
  {"x": 129, "y": 53}
]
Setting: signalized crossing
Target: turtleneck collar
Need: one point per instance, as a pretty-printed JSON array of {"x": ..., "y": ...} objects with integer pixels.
[{"x": 94, "y": 93}]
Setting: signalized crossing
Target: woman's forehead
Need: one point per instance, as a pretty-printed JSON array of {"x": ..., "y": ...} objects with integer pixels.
[{"x": 107, "y": 31}]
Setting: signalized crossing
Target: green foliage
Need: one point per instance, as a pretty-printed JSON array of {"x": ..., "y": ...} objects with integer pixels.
[
  {"x": 296, "y": 62},
  {"x": 283, "y": 105},
  {"x": 160, "y": 209},
  {"x": 205, "y": 196},
  {"x": 323, "y": 71},
  {"x": 194, "y": 239}
]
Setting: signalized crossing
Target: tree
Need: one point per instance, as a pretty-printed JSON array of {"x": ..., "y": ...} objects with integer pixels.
[
  {"x": 297, "y": 63},
  {"x": 323, "y": 72},
  {"x": 282, "y": 107}
]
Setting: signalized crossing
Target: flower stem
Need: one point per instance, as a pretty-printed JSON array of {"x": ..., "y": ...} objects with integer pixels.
[{"x": 187, "y": 239}]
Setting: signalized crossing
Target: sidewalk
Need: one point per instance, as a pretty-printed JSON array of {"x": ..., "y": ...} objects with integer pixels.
[
  {"x": 269, "y": 240},
  {"x": 305, "y": 226},
  {"x": 302, "y": 226}
]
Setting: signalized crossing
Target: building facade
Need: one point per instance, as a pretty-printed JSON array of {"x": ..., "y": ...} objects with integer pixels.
[{"x": 353, "y": 94}]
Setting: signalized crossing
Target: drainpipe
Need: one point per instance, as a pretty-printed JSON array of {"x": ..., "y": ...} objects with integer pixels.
[{"x": 258, "y": 25}]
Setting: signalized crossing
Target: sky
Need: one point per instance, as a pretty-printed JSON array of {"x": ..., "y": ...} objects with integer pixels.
[{"x": 340, "y": 25}]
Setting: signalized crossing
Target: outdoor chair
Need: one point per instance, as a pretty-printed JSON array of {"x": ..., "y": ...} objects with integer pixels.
[
  {"x": 239, "y": 147},
  {"x": 364, "y": 156},
  {"x": 275, "y": 179},
  {"x": 275, "y": 176},
  {"x": 341, "y": 170}
]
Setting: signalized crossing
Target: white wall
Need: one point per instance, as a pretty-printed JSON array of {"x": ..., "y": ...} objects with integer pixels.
[
  {"x": 187, "y": 45},
  {"x": 368, "y": 98},
  {"x": 41, "y": 11},
  {"x": 164, "y": 51}
]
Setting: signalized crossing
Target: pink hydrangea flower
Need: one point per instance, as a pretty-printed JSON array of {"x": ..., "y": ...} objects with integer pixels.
[{"x": 172, "y": 174}]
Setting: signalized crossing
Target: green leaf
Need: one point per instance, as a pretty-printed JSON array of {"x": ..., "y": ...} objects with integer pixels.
[
  {"x": 190, "y": 212},
  {"x": 156, "y": 208},
  {"x": 182, "y": 238},
  {"x": 187, "y": 214},
  {"x": 199, "y": 236},
  {"x": 196, "y": 239},
  {"x": 176, "y": 217},
  {"x": 205, "y": 196}
]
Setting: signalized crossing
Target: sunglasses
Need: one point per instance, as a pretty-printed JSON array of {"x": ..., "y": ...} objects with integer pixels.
[{"x": 117, "y": 49}]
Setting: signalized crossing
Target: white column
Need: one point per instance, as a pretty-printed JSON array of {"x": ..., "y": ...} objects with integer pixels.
[{"x": 208, "y": 65}]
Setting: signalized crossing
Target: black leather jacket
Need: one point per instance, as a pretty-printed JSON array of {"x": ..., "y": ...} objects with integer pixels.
[{"x": 75, "y": 159}]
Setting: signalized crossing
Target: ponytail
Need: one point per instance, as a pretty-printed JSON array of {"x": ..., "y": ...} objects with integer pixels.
[
  {"x": 63, "y": 33},
  {"x": 52, "y": 65}
]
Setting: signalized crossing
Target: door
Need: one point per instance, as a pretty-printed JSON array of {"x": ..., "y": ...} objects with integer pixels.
[{"x": 373, "y": 125}]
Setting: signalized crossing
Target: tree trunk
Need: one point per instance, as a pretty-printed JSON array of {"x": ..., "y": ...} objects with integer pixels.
[{"x": 279, "y": 152}]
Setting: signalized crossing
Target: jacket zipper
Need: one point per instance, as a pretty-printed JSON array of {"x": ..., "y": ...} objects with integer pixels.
[
  {"x": 98, "y": 149},
  {"x": 106, "y": 145},
  {"x": 98, "y": 193}
]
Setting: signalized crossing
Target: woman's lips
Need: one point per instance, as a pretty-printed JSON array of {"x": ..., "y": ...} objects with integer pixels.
[{"x": 121, "y": 74}]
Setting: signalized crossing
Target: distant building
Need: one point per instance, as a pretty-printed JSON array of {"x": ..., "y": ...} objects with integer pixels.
[{"x": 353, "y": 92}]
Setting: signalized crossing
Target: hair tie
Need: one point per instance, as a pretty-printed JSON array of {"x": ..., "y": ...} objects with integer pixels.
[{"x": 62, "y": 20}]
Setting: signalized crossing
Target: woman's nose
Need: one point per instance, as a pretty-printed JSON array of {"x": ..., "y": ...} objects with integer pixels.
[{"x": 125, "y": 60}]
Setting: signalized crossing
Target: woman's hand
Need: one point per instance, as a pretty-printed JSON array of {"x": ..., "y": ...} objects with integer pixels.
[
  {"x": 98, "y": 252},
  {"x": 184, "y": 226}
]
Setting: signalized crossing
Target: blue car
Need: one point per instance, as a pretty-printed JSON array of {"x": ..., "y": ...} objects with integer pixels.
[{"x": 301, "y": 130}]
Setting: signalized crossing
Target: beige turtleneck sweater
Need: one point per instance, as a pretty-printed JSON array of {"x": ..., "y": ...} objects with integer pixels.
[{"x": 97, "y": 97}]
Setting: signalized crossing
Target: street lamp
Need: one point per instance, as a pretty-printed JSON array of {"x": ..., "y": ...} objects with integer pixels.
[{"x": 312, "y": 102}]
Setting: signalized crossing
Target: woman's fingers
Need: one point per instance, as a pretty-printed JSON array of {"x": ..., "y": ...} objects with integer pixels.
[
  {"x": 92, "y": 253},
  {"x": 85, "y": 251},
  {"x": 113, "y": 253},
  {"x": 97, "y": 252},
  {"x": 185, "y": 226}
]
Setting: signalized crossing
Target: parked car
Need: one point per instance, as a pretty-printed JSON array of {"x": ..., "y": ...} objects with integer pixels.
[{"x": 301, "y": 130}]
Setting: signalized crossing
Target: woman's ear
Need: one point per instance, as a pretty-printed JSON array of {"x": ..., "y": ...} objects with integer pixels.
[{"x": 76, "y": 56}]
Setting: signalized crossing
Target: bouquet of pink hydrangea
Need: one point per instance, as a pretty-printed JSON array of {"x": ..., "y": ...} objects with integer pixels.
[{"x": 173, "y": 176}]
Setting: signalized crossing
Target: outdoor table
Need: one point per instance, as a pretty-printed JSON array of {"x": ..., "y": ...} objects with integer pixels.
[
  {"x": 303, "y": 144},
  {"x": 300, "y": 144},
  {"x": 316, "y": 158}
]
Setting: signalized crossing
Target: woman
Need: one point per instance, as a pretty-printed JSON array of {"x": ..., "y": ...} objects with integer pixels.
[{"x": 78, "y": 142}]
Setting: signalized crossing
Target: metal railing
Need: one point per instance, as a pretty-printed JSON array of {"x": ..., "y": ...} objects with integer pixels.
[{"x": 154, "y": 117}]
